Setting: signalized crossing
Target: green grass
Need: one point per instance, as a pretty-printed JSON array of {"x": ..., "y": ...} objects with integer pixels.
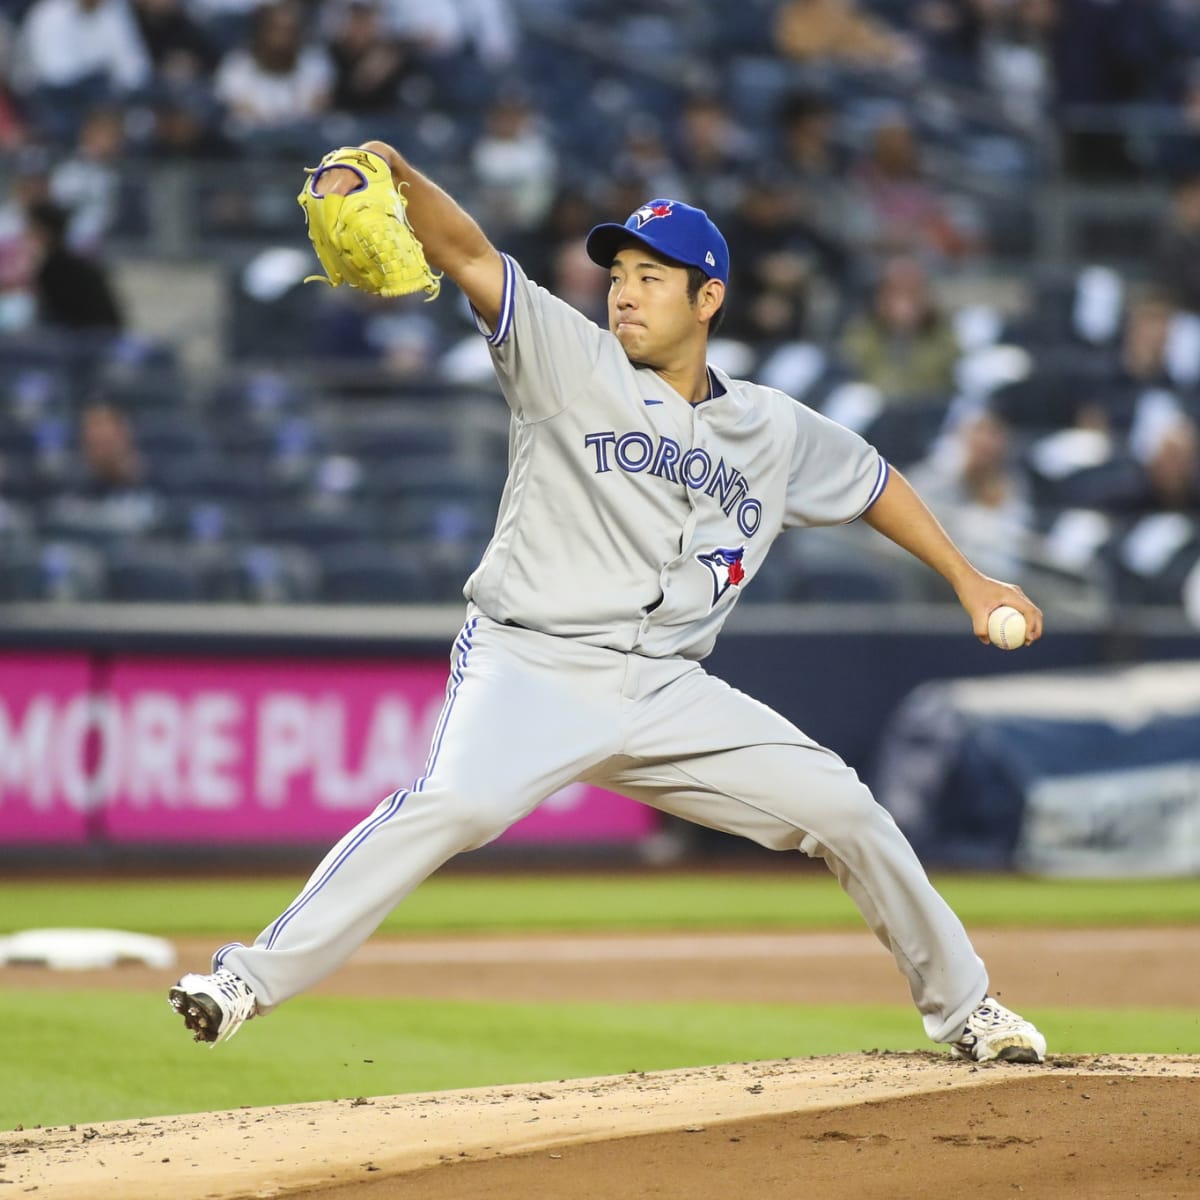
[
  {"x": 99, "y": 1055},
  {"x": 450, "y": 902},
  {"x": 61, "y": 1070}
]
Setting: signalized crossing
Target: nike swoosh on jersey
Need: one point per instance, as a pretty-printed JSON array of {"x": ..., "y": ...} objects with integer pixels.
[{"x": 649, "y": 402}]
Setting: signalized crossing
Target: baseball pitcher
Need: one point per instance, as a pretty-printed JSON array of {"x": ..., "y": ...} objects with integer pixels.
[{"x": 644, "y": 490}]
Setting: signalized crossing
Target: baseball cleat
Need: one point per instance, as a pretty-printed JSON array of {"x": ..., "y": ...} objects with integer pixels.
[
  {"x": 993, "y": 1032},
  {"x": 214, "y": 1007}
]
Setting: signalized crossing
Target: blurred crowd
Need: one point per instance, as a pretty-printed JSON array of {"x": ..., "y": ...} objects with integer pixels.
[{"x": 868, "y": 161}]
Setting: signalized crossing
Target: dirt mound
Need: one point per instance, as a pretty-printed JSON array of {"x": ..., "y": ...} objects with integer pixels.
[{"x": 862, "y": 1126}]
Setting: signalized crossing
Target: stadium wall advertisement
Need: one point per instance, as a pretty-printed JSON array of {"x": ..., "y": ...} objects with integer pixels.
[{"x": 148, "y": 750}]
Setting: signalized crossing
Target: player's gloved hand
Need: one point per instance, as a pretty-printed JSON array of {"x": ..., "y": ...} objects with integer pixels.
[{"x": 363, "y": 237}]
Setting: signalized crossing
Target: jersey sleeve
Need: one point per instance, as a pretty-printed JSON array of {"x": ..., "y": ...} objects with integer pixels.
[
  {"x": 835, "y": 474},
  {"x": 543, "y": 350}
]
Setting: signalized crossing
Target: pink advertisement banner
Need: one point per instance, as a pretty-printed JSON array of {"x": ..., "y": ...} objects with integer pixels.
[
  {"x": 46, "y": 702},
  {"x": 156, "y": 750}
]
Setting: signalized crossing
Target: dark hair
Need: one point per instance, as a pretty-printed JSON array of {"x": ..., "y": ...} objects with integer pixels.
[{"x": 696, "y": 279}]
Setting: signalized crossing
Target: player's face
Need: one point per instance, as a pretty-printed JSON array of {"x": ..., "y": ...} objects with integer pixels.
[{"x": 648, "y": 307}]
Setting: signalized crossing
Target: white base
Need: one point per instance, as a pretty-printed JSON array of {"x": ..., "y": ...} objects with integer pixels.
[{"x": 85, "y": 949}]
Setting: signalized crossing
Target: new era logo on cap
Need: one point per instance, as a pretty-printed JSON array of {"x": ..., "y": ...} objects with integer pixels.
[{"x": 676, "y": 230}]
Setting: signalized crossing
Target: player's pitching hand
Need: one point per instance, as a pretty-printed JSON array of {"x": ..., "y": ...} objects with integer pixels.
[
  {"x": 982, "y": 596},
  {"x": 341, "y": 181}
]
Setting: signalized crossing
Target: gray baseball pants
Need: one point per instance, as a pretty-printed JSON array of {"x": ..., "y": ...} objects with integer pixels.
[{"x": 526, "y": 714}]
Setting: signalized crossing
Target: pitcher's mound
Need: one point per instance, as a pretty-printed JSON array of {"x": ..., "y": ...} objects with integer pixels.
[{"x": 844, "y": 1127}]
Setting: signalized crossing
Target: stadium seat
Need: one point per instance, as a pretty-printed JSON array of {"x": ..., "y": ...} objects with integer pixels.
[
  {"x": 314, "y": 527},
  {"x": 394, "y": 441},
  {"x": 904, "y": 433},
  {"x": 166, "y": 572},
  {"x": 143, "y": 389},
  {"x": 246, "y": 478},
  {"x": 260, "y": 395},
  {"x": 170, "y": 431},
  {"x": 381, "y": 573},
  {"x": 277, "y": 575},
  {"x": 829, "y": 583},
  {"x": 56, "y": 571}
]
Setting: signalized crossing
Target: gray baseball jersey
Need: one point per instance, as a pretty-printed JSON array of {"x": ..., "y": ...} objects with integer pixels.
[
  {"x": 630, "y": 523},
  {"x": 632, "y": 519}
]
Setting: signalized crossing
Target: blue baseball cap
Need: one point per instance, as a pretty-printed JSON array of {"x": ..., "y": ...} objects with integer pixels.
[{"x": 676, "y": 230}]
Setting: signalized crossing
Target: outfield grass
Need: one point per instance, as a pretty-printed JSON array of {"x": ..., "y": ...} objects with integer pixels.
[
  {"x": 126, "y": 1057},
  {"x": 450, "y": 902}
]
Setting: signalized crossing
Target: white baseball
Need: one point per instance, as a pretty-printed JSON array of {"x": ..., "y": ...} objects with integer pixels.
[{"x": 1006, "y": 628}]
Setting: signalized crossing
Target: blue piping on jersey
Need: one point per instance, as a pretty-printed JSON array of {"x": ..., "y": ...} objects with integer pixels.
[
  {"x": 880, "y": 483},
  {"x": 504, "y": 320},
  {"x": 395, "y": 801}
]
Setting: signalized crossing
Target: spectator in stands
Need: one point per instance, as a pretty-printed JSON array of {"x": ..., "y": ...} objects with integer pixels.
[
  {"x": 570, "y": 216},
  {"x": 644, "y": 156},
  {"x": 950, "y": 32},
  {"x": 86, "y": 184},
  {"x": 72, "y": 53},
  {"x": 1139, "y": 366},
  {"x": 12, "y": 121},
  {"x": 459, "y": 52},
  {"x": 108, "y": 496},
  {"x": 813, "y": 169},
  {"x": 277, "y": 82},
  {"x": 368, "y": 62},
  {"x": 1016, "y": 57},
  {"x": 186, "y": 126},
  {"x": 807, "y": 152},
  {"x": 73, "y": 291},
  {"x": 1165, "y": 440},
  {"x": 975, "y": 487},
  {"x": 713, "y": 152},
  {"x": 1150, "y": 468},
  {"x": 1177, "y": 260},
  {"x": 458, "y": 33},
  {"x": 1177, "y": 150},
  {"x": 12, "y": 126},
  {"x": 897, "y": 209},
  {"x": 179, "y": 47},
  {"x": 18, "y": 262},
  {"x": 1110, "y": 53},
  {"x": 107, "y": 449},
  {"x": 402, "y": 339},
  {"x": 817, "y": 31},
  {"x": 515, "y": 164},
  {"x": 584, "y": 290},
  {"x": 780, "y": 258},
  {"x": 903, "y": 344}
]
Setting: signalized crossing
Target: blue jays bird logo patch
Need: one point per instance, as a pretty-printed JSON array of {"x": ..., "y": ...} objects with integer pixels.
[
  {"x": 726, "y": 568},
  {"x": 652, "y": 211}
]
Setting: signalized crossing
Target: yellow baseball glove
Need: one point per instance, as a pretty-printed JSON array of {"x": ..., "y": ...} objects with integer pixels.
[{"x": 364, "y": 238}]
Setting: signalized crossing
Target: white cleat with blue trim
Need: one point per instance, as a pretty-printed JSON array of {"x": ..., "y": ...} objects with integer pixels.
[
  {"x": 214, "y": 1007},
  {"x": 994, "y": 1032}
]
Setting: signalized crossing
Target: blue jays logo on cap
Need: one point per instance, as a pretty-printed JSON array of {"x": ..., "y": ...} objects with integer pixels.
[
  {"x": 676, "y": 230},
  {"x": 651, "y": 211},
  {"x": 726, "y": 568}
]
